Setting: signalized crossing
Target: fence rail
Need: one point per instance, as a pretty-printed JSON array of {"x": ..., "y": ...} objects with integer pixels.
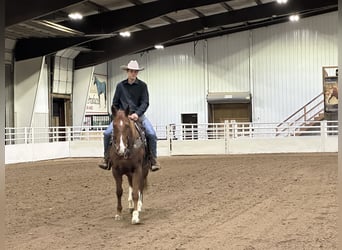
[{"x": 207, "y": 131}]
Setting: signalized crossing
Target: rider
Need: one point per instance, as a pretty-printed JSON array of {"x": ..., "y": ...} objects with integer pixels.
[{"x": 133, "y": 93}]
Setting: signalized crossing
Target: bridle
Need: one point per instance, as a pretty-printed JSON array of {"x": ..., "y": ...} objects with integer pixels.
[{"x": 126, "y": 147}]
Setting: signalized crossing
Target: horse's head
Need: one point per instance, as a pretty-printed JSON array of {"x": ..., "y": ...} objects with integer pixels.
[{"x": 123, "y": 132}]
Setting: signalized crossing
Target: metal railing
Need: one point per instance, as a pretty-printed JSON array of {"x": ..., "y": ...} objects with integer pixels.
[
  {"x": 309, "y": 112},
  {"x": 205, "y": 131}
]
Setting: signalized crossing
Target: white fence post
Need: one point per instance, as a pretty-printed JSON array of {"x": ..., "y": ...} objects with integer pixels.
[
  {"x": 226, "y": 136},
  {"x": 324, "y": 135},
  {"x": 25, "y": 135},
  {"x": 169, "y": 136}
]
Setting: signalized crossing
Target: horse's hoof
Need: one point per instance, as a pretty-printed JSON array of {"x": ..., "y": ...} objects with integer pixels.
[
  {"x": 131, "y": 210},
  {"x": 135, "y": 218},
  {"x": 135, "y": 221},
  {"x": 117, "y": 217}
]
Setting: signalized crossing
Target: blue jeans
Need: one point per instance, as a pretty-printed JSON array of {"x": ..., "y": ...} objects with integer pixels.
[{"x": 151, "y": 136}]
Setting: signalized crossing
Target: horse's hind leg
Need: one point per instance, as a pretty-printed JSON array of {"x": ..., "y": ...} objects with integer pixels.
[{"x": 119, "y": 190}]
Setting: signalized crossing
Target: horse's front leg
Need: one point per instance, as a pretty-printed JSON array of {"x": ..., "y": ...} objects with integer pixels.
[
  {"x": 137, "y": 196},
  {"x": 119, "y": 190},
  {"x": 130, "y": 192}
]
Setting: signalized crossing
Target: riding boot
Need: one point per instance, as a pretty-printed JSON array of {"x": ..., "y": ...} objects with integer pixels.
[
  {"x": 104, "y": 163},
  {"x": 155, "y": 166}
]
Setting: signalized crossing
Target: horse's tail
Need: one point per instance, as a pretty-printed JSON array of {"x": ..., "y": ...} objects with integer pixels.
[{"x": 146, "y": 169}]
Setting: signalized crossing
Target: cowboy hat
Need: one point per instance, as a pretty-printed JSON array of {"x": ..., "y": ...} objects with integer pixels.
[{"x": 132, "y": 65}]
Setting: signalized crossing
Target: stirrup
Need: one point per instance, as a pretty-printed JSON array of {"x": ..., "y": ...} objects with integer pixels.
[
  {"x": 104, "y": 165},
  {"x": 155, "y": 168}
]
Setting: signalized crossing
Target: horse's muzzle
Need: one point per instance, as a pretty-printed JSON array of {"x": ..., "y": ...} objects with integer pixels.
[{"x": 124, "y": 154}]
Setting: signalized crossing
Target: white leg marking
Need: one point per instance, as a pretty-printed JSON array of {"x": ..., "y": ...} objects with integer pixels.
[
  {"x": 135, "y": 217},
  {"x": 130, "y": 198},
  {"x": 140, "y": 202}
]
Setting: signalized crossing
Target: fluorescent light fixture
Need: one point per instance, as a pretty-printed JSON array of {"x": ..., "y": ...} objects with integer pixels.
[
  {"x": 75, "y": 16},
  {"x": 125, "y": 34},
  {"x": 294, "y": 18},
  {"x": 158, "y": 46},
  {"x": 281, "y": 1}
]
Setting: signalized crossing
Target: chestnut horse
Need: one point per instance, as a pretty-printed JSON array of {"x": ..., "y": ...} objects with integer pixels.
[{"x": 128, "y": 156}]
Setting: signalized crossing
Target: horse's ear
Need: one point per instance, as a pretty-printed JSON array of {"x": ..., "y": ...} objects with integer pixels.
[{"x": 114, "y": 110}]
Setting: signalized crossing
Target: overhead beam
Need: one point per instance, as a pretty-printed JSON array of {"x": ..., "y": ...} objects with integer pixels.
[
  {"x": 226, "y": 6},
  {"x": 104, "y": 23},
  {"x": 115, "y": 20},
  {"x": 18, "y": 11},
  {"x": 116, "y": 46},
  {"x": 34, "y": 47},
  {"x": 97, "y": 7},
  {"x": 147, "y": 38},
  {"x": 244, "y": 27}
]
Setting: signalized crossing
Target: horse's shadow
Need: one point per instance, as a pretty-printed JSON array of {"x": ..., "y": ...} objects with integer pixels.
[{"x": 148, "y": 216}]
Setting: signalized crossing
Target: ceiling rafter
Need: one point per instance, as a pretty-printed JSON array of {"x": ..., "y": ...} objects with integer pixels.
[
  {"x": 108, "y": 45},
  {"x": 97, "y": 7},
  {"x": 112, "y": 21},
  {"x": 136, "y": 2},
  {"x": 168, "y": 19},
  {"x": 142, "y": 26},
  {"x": 227, "y": 6},
  {"x": 164, "y": 34},
  {"x": 196, "y": 12},
  {"x": 17, "y": 11}
]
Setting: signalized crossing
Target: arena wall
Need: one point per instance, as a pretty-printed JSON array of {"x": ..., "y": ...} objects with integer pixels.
[{"x": 48, "y": 151}]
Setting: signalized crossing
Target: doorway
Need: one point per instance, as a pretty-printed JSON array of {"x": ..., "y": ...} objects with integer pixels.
[
  {"x": 190, "y": 131},
  {"x": 61, "y": 116},
  {"x": 221, "y": 112},
  {"x": 58, "y": 112}
]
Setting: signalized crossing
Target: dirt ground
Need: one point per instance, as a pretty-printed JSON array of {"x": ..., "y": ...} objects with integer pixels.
[{"x": 276, "y": 201}]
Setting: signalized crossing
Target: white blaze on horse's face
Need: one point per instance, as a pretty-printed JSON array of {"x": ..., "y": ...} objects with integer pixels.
[{"x": 122, "y": 146}]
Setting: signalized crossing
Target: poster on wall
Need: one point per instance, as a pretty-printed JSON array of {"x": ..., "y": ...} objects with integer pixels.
[
  {"x": 330, "y": 89},
  {"x": 97, "y": 95}
]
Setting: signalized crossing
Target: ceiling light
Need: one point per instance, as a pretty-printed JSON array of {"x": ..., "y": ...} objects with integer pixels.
[
  {"x": 294, "y": 18},
  {"x": 158, "y": 46},
  {"x": 281, "y": 1},
  {"x": 125, "y": 34},
  {"x": 75, "y": 16}
]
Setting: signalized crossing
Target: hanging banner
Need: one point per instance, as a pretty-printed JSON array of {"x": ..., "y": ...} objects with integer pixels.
[
  {"x": 330, "y": 89},
  {"x": 97, "y": 95}
]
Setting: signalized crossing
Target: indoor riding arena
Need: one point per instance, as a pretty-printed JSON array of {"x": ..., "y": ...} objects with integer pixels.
[
  {"x": 237, "y": 100},
  {"x": 264, "y": 201}
]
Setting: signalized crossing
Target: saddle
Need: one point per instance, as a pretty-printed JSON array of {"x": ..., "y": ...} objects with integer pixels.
[{"x": 141, "y": 130}]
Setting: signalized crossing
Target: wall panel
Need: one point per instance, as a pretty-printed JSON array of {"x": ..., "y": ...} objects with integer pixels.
[
  {"x": 280, "y": 65},
  {"x": 26, "y": 78},
  {"x": 228, "y": 63},
  {"x": 287, "y": 64}
]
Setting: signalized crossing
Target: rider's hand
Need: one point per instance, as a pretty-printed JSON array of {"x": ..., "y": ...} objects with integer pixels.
[{"x": 134, "y": 117}]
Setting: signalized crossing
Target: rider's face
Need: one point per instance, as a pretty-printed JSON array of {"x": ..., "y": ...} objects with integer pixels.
[{"x": 132, "y": 74}]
